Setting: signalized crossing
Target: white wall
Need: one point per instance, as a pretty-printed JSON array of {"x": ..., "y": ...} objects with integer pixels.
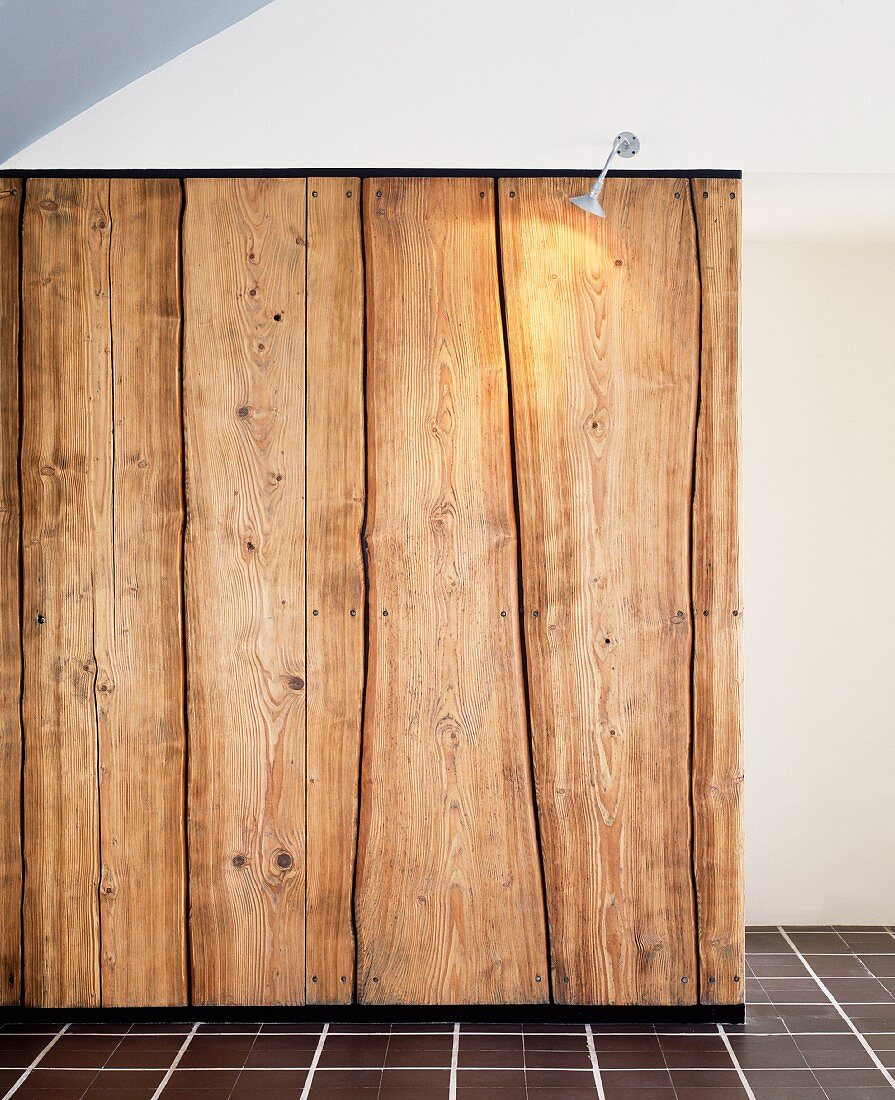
[
  {"x": 765, "y": 86},
  {"x": 819, "y": 559}
]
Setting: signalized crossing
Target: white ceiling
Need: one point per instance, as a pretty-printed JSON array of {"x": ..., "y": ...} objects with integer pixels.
[{"x": 781, "y": 86}]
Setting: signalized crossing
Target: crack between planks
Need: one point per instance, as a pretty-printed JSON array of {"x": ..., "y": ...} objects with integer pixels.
[
  {"x": 20, "y": 367},
  {"x": 184, "y": 687},
  {"x": 697, "y": 412},
  {"x": 520, "y": 595},
  {"x": 365, "y": 557},
  {"x": 305, "y": 661}
]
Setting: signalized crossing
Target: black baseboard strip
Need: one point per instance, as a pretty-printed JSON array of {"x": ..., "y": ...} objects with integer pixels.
[{"x": 391, "y": 1014}]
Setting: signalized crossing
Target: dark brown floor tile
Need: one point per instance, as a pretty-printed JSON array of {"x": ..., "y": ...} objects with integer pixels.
[
  {"x": 581, "y": 1092},
  {"x": 626, "y": 1044},
  {"x": 217, "y": 1051},
  {"x": 474, "y": 1092},
  {"x": 492, "y": 1059},
  {"x": 466, "y": 1029},
  {"x": 636, "y": 1059},
  {"x": 821, "y": 942},
  {"x": 80, "y": 1051},
  {"x": 712, "y": 1060},
  {"x": 179, "y": 1092},
  {"x": 837, "y": 966},
  {"x": 705, "y": 1078},
  {"x": 54, "y": 1082},
  {"x": 623, "y": 1092},
  {"x": 491, "y": 1078},
  {"x": 873, "y": 1018},
  {"x": 760, "y": 1018},
  {"x": 858, "y": 990},
  {"x": 867, "y": 1092},
  {"x": 767, "y": 1052},
  {"x": 145, "y": 1052},
  {"x": 872, "y": 942},
  {"x": 490, "y": 1042},
  {"x": 765, "y": 942},
  {"x": 637, "y": 1078},
  {"x": 714, "y": 1092},
  {"x": 795, "y": 991},
  {"x": 883, "y": 1041},
  {"x": 860, "y": 928},
  {"x": 99, "y": 1030},
  {"x": 536, "y": 1041},
  {"x": 361, "y": 1051},
  {"x": 421, "y": 1041},
  {"x": 418, "y": 1079},
  {"x": 769, "y": 1080},
  {"x": 557, "y": 1059},
  {"x": 691, "y": 1043},
  {"x": 124, "y": 1085},
  {"x": 850, "y": 1078},
  {"x": 802, "y": 1018},
  {"x": 21, "y": 1050},
  {"x": 212, "y": 1079},
  {"x": 421, "y": 1058},
  {"x": 347, "y": 1078},
  {"x": 269, "y": 1084},
  {"x": 320, "y": 1091},
  {"x": 429, "y": 1092},
  {"x": 777, "y": 966},
  {"x": 558, "y": 1078},
  {"x": 881, "y": 966},
  {"x": 29, "y": 1029},
  {"x": 278, "y": 1059}
]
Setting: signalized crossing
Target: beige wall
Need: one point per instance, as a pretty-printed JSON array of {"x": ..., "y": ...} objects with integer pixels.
[{"x": 819, "y": 565}]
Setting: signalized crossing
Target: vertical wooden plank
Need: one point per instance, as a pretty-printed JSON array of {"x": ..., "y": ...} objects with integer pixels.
[
  {"x": 10, "y": 641},
  {"x": 449, "y": 897},
  {"x": 717, "y": 603},
  {"x": 602, "y": 319},
  {"x": 141, "y": 727},
  {"x": 66, "y": 528},
  {"x": 244, "y": 421},
  {"x": 335, "y": 572}
]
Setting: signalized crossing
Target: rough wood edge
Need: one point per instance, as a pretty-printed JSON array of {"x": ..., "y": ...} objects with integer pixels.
[{"x": 717, "y": 608}]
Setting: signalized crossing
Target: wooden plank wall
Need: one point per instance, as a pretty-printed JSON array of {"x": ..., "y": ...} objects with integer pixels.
[
  {"x": 378, "y": 545},
  {"x": 602, "y": 317},
  {"x": 10, "y": 642},
  {"x": 244, "y": 425},
  {"x": 717, "y": 603},
  {"x": 447, "y": 855},
  {"x": 336, "y": 598}
]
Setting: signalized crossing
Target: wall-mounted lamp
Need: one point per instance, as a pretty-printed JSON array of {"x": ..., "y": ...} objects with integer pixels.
[{"x": 626, "y": 145}]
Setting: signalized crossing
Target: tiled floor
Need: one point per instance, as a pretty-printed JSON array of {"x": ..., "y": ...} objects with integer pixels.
[{"x": 820, "y": 1026}]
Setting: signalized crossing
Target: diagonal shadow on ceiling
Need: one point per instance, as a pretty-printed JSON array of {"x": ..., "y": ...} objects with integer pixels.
[{"x": 59, "y": 57}]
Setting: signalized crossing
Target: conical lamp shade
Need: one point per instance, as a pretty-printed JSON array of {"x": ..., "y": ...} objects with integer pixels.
[{"x": 590, "y": 203}]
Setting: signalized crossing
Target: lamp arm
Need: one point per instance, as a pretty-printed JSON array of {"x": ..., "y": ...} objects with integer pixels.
[{"x": 598, "y": 182}]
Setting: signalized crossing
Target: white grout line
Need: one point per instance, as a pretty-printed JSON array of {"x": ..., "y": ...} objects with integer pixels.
[
  {"x": 24, "y": 1077},
  {"x": 305, "y": 1092},
  {"x": 186, "y": 1042},
  {"x": 736, "y": 1063},
  {"x": 455, "y": 1059},
  {"x": 592, "y": 1051},
  {"x": 845, "y": 1016}
]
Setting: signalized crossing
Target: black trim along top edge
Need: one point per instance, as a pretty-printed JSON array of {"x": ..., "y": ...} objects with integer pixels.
[{"x": 363, "y": 173}]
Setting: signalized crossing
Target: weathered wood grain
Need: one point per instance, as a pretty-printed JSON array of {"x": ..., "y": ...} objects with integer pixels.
[
  {"x": 717, "y": 604},
  {"x": 140, "y": 708},
  {"x": 244, "y": 419},
  {"x": 10, "y": 641},
  {"x": 67, "y": 562},
  {"x": 449, "y": 899},
  {"x": 335, "y": 579},
  {"x": 603, "y": 329}
]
